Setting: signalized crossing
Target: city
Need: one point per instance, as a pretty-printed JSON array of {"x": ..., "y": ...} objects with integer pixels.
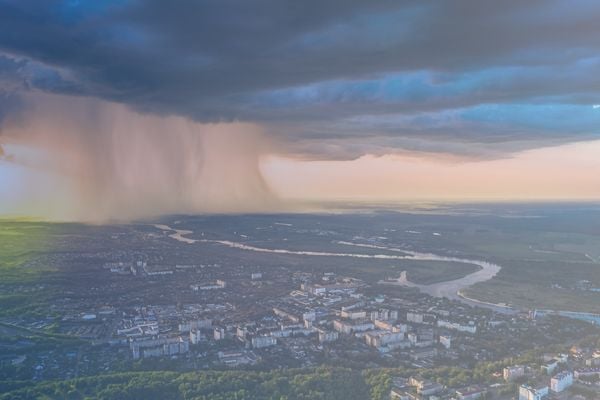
[{"x": 114, "y": 314}]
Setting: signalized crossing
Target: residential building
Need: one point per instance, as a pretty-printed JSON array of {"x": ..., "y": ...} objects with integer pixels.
[
  {"x": 513, "y": 372},
  {"x": 416, "y": 318},
  {"x": 349, "y": 327},
  {"x": 561, "y": 381},
  {"x": 353, "y": 314},
  {"x": 196, "y": 336},
  {"x": 446, "y": 341},
  {"x": 219, "y": 333},
  {"x": 260, "y": 342},
  {"x": 550, "y": 366},
  {"x": 470, "y": 393},
  {"x": 327, "y": 336},
  {"x": 527, "y": 392}
]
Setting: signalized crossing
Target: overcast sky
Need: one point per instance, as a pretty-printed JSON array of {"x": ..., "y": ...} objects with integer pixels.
[{"x": 326, "y": 80}]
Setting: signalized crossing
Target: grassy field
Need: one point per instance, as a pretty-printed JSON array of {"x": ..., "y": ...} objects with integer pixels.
[
  {"x": 423, "y": 272},
  {"x": 542, "y": 284},
  {"x": 541, "y": 268},
  {"x": 428, "y": 272},
  {"x": 21, "y": 242},
  {"x": 529, "y": 296}
]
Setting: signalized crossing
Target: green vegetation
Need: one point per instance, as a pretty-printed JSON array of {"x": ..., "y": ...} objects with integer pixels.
[
  {"x": 428, "y": 272},
  {"x": 542, "y": 284},
  {"x": 543, "y": 263},
  {"x": 25, "y": 288},
  {"x": 418, "y": 271},
  {"x": 321, "y": 383},
  {"x": 329, "y": 383},
  {"x": 20, "y": 242}
]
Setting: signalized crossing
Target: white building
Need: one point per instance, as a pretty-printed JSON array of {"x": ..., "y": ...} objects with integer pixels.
[
  {"x": 561, "y": 381},
  {"x": 219, "y": 333},
  {"x": 380, "y": 339},
  {"x": 413, "y": 338},
  {"x": 414, "y": 317},
  {"x": 203, "y": 324},
  {"x": 400, "y": 328},
  {"x": 218, "y": 284},
  {"x": 283, "y": 312},
  {"x": 383, "y": 314},
  {"x": 195, "y": 324},
  {"x": 259, "y": 342},
  {"x": 159, "y": 347},
  {"x": 241, "y": 332},
  {"x": 446, "y": 341},
  {"x": 351, "y": 314},
  {"x": 309, "y": 316},
  {"x": 456, "y": 326},
  {"x": 386, "y": 325},
  {"x": 513, "y": 372},
  {"x": 585, "y": 372},
  {"x": 425, "y": 387},
  {"x": 196, "y": 336},
  {"x": 349, "y": 327},
  {"x": 328, "y": 336},
  {"x": 527, "y": 392}
]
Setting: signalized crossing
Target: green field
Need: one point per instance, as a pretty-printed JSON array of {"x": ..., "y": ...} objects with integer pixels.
[
  {"x": 21, "y": 243},
  {"x": 419, "y": 271},
  {"x": 428, "y": 272},
  {"x": 542, "y": 284},
  {"x": 320, "y": 383},
  {"x": 323, "y": 383},
  {"x": 539, "y": 269}
]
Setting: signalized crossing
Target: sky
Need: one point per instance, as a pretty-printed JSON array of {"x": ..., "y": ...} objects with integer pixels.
[{"x": 131, "y": 108}]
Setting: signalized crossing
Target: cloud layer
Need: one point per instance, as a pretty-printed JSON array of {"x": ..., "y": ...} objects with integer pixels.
[{"x": 329, "y": 79}]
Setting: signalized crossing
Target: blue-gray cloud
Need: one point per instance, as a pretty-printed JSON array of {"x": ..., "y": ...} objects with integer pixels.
[{"x": 334, "y": 78}]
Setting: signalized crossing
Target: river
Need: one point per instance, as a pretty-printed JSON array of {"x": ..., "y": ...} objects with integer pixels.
[{"x": 449, "y": 289}]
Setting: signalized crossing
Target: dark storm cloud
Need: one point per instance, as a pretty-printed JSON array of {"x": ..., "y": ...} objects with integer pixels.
[
  {"x": 346, "y": 77},
  {"x": 11, "y": 82}
]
